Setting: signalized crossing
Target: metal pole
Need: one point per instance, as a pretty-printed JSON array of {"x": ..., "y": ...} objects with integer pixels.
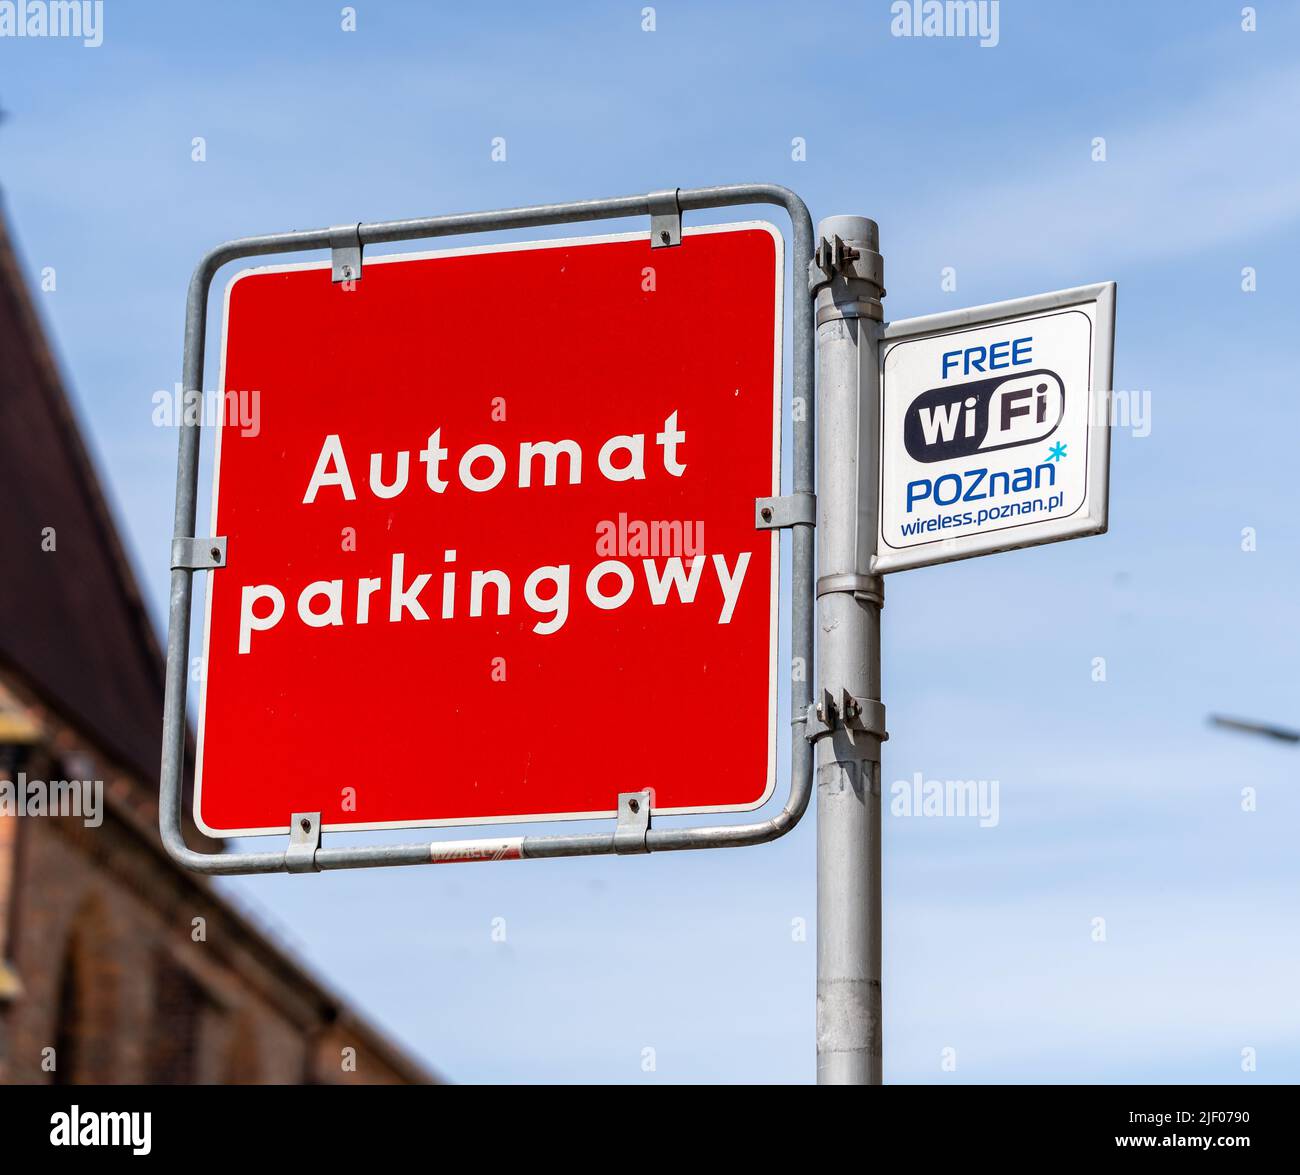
[{"x": 848, "y": 722}]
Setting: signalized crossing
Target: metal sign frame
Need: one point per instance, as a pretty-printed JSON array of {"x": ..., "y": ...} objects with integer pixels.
[
  {"x": 540, "y": 814},
  {"x": 632, "y": 832},
  {"x": 1100, "y": 296}
]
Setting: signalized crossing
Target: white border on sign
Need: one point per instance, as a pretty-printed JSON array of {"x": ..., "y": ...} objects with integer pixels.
[
  {"x": 1094, "y": 519},
  {"x": 775, "y": 537}
]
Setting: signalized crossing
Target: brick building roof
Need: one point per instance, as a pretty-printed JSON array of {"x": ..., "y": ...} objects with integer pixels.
[{"x": 72, "y": 621}]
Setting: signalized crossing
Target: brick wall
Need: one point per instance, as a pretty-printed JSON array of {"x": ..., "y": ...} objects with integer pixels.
[{"x": 133, "y": 970}]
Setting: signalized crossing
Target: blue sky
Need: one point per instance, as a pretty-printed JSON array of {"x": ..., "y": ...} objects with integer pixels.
[{"x": 1117, "y": 801}]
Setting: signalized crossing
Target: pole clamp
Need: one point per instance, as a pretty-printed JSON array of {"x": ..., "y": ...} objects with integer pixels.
[
  {"x": 191, "y": 554},
  {"x": 859, "y": 715},
  {"x": 837, "y": 257},
  {"x": 781, "y": 513},
  {"x": 665, "y": 219},
  {"x": 633, "y": 822},
  {"x": 304, "y": 840},
  {"x": 345, "y": 253},
  {"x": 848, "y": 279},
  {"x": 828, "y": 259},
  {"x": 863, "y": 587},
  {"x": 854, "y": 308}
]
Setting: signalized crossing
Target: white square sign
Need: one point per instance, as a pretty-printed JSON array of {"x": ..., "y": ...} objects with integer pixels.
[{"x": 994, "y": 427}]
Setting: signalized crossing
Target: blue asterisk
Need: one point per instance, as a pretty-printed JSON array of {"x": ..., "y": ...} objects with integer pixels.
[{"x": 1056, "y": 452}]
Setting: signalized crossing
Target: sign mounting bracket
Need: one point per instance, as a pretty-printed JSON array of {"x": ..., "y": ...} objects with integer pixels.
[
  {"x": 345, "y": 253},
  {"x": 195, "y": 554},
  {"x": 304, "y": 840},
  {"x": 784, "y": 512},
  {"x": 665, "y": 219},
  {"x": 633, "y": 822}
]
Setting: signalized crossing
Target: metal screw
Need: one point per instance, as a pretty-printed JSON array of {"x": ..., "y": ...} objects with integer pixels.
[
  {"x": 634, "y": 805},
  {"x": 766, "y": 512},
  {"x": 665, "y": 236},
  {"x": 216, "y": 554},
  {"x": 304, "y": 824},
  {"x": 347, "y": 272}
]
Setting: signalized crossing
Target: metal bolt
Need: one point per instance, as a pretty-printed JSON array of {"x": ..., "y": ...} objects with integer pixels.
[
  {"x": 304, "y": 824},
  {"x": 216, "y": 554},
  {"x": 347, "y": 272},
  {"x": 634, "y": 805},
  {"x": 766, "y": 513},
  {"x": 665, "y": 236}
]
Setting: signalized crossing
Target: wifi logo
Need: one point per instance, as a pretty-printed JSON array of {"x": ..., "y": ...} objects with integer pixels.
[{"x": 986, "y": 414}]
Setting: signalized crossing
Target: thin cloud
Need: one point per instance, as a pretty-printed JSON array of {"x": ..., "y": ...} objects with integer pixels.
[{"x": 1223, "y": 168}]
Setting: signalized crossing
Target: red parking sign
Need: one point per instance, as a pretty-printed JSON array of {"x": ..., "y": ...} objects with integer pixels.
[{"x": 491, "y": 547}]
